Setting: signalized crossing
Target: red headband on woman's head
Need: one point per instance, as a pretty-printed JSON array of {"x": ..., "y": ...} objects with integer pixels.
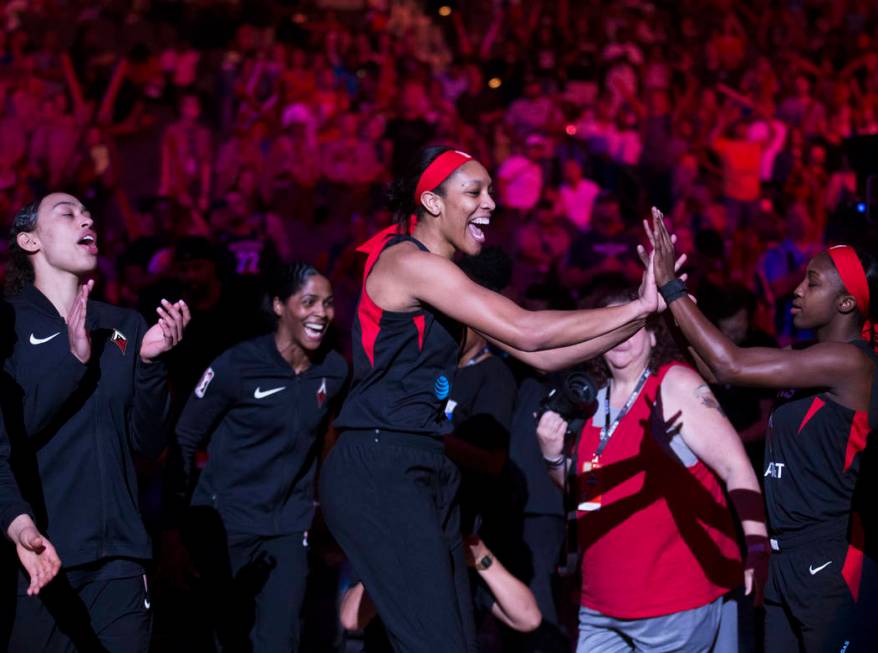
[
  {"x": 439, "y": 170},
  {"x": 852, "y": 275}
]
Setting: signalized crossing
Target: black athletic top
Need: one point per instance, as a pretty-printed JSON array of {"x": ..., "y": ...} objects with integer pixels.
[
  {"x": 265, "y": 423},
  {"x": 812, "y": 460},
  {"x": 403, "y": 365},
  {"x": 74, "y": 428}
]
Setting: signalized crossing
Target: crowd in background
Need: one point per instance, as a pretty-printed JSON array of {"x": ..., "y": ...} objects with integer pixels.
[{"x": 212, "y": 140}]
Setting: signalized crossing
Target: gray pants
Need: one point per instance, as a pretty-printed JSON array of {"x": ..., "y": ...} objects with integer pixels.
[{"x": 710, "y": 628}]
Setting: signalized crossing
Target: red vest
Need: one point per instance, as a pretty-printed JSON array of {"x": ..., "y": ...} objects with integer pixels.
[{"x": 663, "y": 539}]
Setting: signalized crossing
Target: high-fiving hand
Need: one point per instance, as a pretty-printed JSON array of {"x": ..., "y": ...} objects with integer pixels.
[
  {"x": 663, "y": 248},
  {"x": 167, "y": 332},
  {"x": 656, "y": 269}
]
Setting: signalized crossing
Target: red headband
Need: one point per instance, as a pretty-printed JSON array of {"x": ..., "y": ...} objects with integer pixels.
[
  {"x": 852, "y": 275},
  {"x": 439, "y": 170}
]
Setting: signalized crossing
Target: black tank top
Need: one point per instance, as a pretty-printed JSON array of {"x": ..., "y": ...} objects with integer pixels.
[
  {"x": 812, "y": 461},
  {"x": 403, "y": 365}
]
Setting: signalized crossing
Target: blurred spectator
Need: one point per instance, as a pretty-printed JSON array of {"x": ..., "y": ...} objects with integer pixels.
[
  {"x": 187, "y": 157},
  {"x": 577, "y": 195},
  {"x": 520, "y": 177}
]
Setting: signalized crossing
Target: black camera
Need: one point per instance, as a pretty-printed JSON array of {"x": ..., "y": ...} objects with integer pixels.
[{"x": 572, "y": 396}]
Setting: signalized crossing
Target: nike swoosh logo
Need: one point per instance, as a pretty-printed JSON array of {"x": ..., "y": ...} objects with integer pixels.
[
  {"x": 39, "y": 341},
  {"x": 260, "y": 394},
  {"x": 814, "y": 570}
]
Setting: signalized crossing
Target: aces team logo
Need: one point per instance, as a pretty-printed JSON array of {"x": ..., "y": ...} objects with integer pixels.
[
  {"x": 119, "y": 339},
  {"x": 206, "y": 378},
  {"x": 321, "y": 394}
]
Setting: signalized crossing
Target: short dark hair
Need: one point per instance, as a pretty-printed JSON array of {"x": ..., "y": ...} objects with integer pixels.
[{"x": 288, "y": 279}]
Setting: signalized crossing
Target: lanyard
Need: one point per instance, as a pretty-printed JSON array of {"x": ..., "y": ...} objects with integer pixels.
[
  {"x": 475, "y": 358},
  {"x": 608, "y": 429}
]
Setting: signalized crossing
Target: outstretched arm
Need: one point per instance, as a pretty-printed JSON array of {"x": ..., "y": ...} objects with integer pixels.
[
  {"x": 823, "y": 365},
  {"x": 438, "y": 282}
]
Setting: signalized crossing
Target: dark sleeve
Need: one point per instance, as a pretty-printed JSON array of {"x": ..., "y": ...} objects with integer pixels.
[
  {"x": 149, "y": 420},
  {"x": 11, "y": 502},
  {"x": 214, "y": 394}
]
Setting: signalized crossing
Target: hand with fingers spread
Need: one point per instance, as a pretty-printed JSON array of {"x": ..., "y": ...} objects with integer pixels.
[
  {"x": 662, "y": 242},
  {"x": 167, "y": 332},
  {"x": 651, "y": 271},
  {"x": 35, "y": 552},
  {"x": 80, "y": 339}
]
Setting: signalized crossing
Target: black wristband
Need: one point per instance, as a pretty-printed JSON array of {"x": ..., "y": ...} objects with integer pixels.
[{"x": 673, "y": 290}]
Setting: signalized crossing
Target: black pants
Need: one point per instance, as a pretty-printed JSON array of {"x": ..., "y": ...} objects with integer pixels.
[
  {"x": 102, "y": 615},
  {"x": 254, "y": 584},
  {"x": 389, "y": 500},
  {"x": 809, "y": 605}
]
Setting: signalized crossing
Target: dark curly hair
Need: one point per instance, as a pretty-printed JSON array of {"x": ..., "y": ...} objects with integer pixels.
[
  {"x": 665, "y": 350},
  {"x": 19, "y": 270}
]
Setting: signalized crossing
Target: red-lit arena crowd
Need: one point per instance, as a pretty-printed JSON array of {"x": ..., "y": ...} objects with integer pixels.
[{"x": 369, "y": 325}]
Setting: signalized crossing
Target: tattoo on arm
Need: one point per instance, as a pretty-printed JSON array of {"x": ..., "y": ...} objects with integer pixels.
[{"x": 705, "y": 396}]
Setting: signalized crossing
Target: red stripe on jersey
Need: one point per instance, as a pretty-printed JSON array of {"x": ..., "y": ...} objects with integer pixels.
[
  {"x": 816, "y": 405},
  {"x": 420, "y": 323},
  {"x": 852, "y": 572},
  {"x": 368, "y": 312},
  {"x": 857, "y": 437}
]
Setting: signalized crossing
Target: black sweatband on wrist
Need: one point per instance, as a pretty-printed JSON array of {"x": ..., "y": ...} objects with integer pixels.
[{"x": 673, "y": 290}]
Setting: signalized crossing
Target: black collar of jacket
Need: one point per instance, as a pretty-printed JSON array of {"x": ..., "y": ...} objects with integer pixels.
[{"x": 32, "y": 295}]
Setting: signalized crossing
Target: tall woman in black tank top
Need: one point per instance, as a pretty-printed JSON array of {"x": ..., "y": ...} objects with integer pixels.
[
  {"x": 822, "y": 590},
  {"x": 387, "y": 489}
]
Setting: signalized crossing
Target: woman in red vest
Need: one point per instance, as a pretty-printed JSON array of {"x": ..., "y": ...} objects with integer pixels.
[{"x": 658, "y": 541}]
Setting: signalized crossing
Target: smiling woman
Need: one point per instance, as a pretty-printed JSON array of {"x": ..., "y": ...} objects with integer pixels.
[
  {"x": 265, "y": 405},
  {"x": 387, "y": 489},
  {"x": 89, "y": 400}
]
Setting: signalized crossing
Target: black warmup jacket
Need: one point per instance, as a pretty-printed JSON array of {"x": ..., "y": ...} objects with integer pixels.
[
  {"x": 264, "y": 423},
  {"x": 74, "y": 428},
  {"x": 11, "y": 502}
]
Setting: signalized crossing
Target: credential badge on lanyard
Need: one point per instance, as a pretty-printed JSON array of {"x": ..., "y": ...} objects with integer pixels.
[{"x": 590, "y": 488}]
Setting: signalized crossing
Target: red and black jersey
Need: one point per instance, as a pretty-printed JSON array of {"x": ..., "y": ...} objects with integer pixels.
[
  {"x": 812, "y": 462},
  {"x": 403, "y": 364}
]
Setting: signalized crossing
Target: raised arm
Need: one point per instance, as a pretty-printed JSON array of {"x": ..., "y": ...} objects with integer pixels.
[
  {"x": 149, "y": 418},
  {"x": 824, "y": 365}
]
